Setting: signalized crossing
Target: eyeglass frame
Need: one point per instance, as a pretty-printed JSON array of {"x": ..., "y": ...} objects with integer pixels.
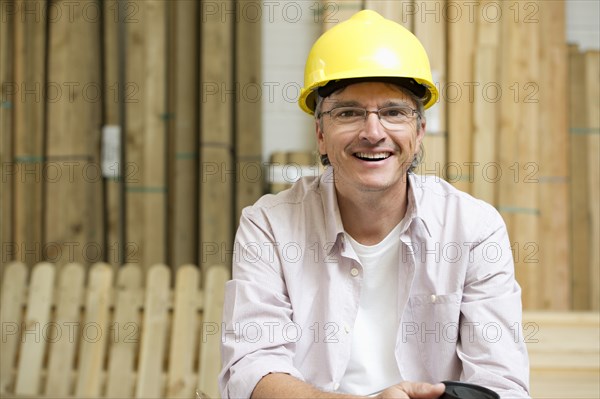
[{"x": 368, "y": 112}]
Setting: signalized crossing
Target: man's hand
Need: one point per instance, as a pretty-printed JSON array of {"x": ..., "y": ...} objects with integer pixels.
[
  {"x": 412, "y": 390},
  {"x": 284, "y": 386}
]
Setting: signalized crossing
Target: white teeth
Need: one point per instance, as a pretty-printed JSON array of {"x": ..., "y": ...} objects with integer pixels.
[{"x": 377, "y": 155}]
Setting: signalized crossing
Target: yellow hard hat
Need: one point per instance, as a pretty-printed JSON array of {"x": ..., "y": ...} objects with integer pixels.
[{"x": 367, "y": 46}]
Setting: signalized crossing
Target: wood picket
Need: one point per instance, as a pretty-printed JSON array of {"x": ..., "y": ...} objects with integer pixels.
[
  {"x": 94, "y": 331},
  {"x": 13, "y": 294},
  {"x": 36, "y": 318},
  {"x": 153, "y": 340},
  {"x": 62, "y": 355},
  {"x": 184, "y": 331},
  {"x": 209, "y": 348},
  {"x": 126, "y": 324}
]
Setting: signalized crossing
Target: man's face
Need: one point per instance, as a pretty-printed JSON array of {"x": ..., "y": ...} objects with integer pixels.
[{"x": 369, "y": 157}]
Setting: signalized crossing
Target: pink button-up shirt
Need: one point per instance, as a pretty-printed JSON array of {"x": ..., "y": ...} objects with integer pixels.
[{"x": 292, "y": 302}]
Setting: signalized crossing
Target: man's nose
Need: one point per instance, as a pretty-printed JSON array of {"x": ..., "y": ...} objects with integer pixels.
[{"x": 372, "y": 130}]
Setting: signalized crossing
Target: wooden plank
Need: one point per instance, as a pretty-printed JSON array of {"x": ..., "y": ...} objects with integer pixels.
[
  {"x": 592, "y": 69},
  {"x": 217, "y": 171},
  {"x": 183, "y": 335},
  {"x": 248, "y": 129},
  {"x": 485, "y": 107},
  {"x": 29, "y": 120},
  {"x": 33, "y": 345},
  {"x": 555, "y": 348},
  {"x": 459, "y": 95},
  {"x": 126, "y": 325},
  {"x": 154, "y": 249},
  {"x": 518, "y": 197},
  {"x": 554, "y": 184},
  {"x": 568, "y": 359},
  {"x": 485, "y": 113},
  {"x": 216, "y": 218},
  {"x": 560, "y": 384},
  {"x": 135, "y": 126},
  {"x": 94, "y": 335},
  {"x": 74, "y": 227},
  {"x": 431, "y": 30},
  {"x": 435, "y": 159},
  {"x": 7, "y": 104},
  {"x": 184, "y": 99},
  {"x": 152, "y": 349},
  {"x": 63, "y": 342},
  {"x": 579, "y": 200},
  {"x": 110, "y": 62},
  {"x": 278, "y": 160},
  {"x": 210, "y": 355},
  {"x": 112, "y": 117},
  {"x": 13, "y": 295},
  {"x": 570, "y": 319},
  {"x": 403, "y": 12}
]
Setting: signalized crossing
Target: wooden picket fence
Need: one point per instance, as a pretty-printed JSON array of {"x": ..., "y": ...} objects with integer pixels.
[{"x": 123, "y": 337}]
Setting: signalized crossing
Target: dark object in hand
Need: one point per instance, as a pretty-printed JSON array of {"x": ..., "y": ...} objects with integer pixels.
[{"x": 461, "y": 390}]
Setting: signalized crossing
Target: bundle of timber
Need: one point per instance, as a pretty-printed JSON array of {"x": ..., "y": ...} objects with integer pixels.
[
  {"x": 564, "y": 353},
  {"x": 131, "y": 337},
  {"x": 126, "y": 125}
]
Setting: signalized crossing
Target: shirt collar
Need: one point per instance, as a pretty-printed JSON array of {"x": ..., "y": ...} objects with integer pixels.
[
  {"x": 414, "y": 210},
  {"x": 334, "y": 229}
]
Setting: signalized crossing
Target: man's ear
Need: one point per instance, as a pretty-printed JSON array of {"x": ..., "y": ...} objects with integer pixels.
[
  {"x": 421, "y": 131},
  {"x": 320, "y": 137}
]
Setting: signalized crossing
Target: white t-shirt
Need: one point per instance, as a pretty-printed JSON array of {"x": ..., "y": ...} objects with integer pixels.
[{"x": 372, "y": 365}]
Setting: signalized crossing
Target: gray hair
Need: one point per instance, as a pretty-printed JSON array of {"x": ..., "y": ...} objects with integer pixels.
[{"x": 420, "y": 116}]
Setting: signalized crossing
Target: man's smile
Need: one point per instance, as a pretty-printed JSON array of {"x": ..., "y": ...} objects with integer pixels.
[{"x": 372, "y": 156}]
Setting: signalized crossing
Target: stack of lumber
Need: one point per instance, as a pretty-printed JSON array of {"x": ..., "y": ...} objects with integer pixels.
[
  {"x": 172, "y": 82},
  {"x": 179, "y": 82},
  {"x": 564, "y": 354}
]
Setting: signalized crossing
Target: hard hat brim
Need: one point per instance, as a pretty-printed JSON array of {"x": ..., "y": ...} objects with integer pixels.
[{"x": 427, "y": 93}]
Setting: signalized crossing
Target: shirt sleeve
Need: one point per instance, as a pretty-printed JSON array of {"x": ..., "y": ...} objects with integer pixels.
[
  {"x": 256, "y": 313},
  {"x": 491, "y": 347}
]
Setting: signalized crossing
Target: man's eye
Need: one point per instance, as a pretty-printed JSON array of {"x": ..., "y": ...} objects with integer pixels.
[
  {"x": 348, "y": 113},
  {"x": 395, "y": 112}
]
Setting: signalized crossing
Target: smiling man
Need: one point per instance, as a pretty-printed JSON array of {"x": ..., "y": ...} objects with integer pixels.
[{"x": 370, "y": 280}]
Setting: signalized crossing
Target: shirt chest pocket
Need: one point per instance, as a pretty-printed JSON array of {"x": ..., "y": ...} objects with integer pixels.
[
  {"x": 436, "y": 311},
  {"x": 435, "y": 324}
]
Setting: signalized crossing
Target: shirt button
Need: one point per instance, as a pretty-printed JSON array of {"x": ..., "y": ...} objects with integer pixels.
[
  {"x": 433, "y": 298},
  {"x": 336, "y": 386},
  {"x": 354, "y": 272},
  {"x": 347, "y": 329}
]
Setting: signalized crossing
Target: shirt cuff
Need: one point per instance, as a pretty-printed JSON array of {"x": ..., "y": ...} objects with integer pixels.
[{"x": 245, "y": 377}]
